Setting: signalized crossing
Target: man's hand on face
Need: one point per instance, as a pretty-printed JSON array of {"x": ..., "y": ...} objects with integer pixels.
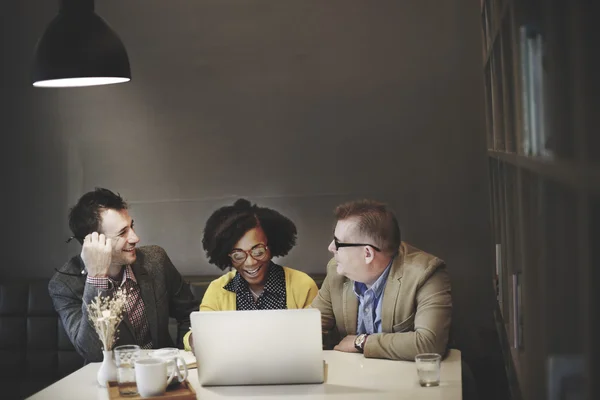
[
  {"x": 347, "y": 345},
  {"x": 96, "y": 253}
]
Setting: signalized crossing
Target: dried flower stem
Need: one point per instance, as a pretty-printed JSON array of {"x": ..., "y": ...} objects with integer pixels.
[{"x": 105, "y": 314}]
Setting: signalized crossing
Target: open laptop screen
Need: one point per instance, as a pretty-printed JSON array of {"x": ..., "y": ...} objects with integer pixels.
[{"x": 258, "y": 347}]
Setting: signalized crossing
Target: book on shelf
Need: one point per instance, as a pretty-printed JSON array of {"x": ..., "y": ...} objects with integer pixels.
[
  {"x": 499, "y": 277},
  {"x": 497, "y": 99},
  {"x": 534, "y": 133},
  {"x": 516, "y": 314}
]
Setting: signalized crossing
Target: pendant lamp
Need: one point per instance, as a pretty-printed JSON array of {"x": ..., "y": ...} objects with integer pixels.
[{"x": 78, "y": 48}]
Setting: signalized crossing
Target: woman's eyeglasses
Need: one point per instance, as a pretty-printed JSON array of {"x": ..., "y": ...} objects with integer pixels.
[
  {"x": 340, "y": 244},
  {"x": 258, "y": 252}
]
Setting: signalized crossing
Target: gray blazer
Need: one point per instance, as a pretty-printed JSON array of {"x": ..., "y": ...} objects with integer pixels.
[
  {"x": 164, "y": 292},
  {"x": 416, "y": 308}
]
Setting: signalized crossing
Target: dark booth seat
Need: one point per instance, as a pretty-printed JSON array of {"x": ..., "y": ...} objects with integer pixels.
[{"x": 34, "y": 348}]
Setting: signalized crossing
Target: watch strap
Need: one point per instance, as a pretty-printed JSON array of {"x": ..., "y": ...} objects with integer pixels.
[{"x": 360, "y": 341}]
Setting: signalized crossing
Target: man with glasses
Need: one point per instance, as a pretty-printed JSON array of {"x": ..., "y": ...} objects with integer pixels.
[
  {"x": 110, "y": 259},
  {"x": 382, "y": 297}
]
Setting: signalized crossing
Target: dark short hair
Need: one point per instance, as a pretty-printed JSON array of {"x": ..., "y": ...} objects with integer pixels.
[
  {"x": 228, "y": 224},
  {"x": 375, "y": 221},
  {"x": 84, "y": 217}
]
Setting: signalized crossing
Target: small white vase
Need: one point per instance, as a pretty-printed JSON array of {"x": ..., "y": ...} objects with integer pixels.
[{"x": 108, "y": 369}]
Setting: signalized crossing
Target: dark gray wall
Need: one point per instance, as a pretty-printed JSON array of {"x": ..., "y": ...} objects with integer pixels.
[{"x": 298, "y": 105}]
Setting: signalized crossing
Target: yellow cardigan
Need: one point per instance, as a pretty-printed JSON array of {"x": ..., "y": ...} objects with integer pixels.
[{"x": 300, "y": 291}]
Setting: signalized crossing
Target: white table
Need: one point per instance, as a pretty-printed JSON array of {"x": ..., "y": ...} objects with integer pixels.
[{"x": 348, "y": 376}]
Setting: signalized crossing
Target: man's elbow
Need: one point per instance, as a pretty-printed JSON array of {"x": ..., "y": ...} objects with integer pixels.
[
  {"x": 429, "y": 342},
  {"x": 82, "y": 346},
  {"x": 87, "y": 355}
]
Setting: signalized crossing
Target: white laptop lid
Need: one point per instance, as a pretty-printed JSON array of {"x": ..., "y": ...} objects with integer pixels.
[{"x": 258, "y": 347}]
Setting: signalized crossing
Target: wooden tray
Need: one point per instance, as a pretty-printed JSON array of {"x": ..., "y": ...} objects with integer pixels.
[{"x": 182, "y": 391}]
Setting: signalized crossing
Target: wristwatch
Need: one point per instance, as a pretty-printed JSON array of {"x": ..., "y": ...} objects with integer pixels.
[{"x": 359, "y": 342}]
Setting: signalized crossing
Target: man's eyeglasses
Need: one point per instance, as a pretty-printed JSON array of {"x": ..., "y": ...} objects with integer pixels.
[
  {"x": 340, "y": 244},
  {"x": 83, "y": 238},
  {"x": 258, "y": 252},
  {"x": 73, "y": 237}
]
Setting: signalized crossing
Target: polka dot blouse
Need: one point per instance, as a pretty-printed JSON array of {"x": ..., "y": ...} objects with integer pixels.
[{"x": 272, "y": 298}]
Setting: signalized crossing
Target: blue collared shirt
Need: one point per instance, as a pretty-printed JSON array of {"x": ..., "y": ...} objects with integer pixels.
[{"x": 369, "y": 303}]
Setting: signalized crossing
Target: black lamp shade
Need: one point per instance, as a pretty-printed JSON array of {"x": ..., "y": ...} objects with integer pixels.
[{"x": 79, "y": 49}]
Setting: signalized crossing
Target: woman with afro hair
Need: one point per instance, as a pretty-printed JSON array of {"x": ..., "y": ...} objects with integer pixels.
[{"x": 246, "y": 237}]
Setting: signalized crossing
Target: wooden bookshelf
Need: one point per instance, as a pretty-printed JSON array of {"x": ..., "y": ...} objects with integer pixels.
[
  {"x": 541, "y": 95},
  {"x": 580, "y": 176}
]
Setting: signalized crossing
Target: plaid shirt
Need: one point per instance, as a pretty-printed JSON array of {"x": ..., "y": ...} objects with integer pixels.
[{"x": 135, "y": 308}]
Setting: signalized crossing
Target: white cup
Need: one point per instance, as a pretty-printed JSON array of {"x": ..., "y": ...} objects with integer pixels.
[
  {"x": 151, "y": 376},
  {"x": 168, "y": 354}
]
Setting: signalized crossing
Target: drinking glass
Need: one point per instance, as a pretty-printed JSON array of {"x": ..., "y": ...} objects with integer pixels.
[
  {"x": 428, "y": 369},
  {"x": 125, "y": 358}
]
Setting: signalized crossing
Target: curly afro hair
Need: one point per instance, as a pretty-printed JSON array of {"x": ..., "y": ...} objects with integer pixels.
[{"x": 228, "y": 224}]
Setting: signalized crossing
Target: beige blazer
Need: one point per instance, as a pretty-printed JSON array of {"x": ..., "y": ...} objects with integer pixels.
[{"x": 416, "y": 308}]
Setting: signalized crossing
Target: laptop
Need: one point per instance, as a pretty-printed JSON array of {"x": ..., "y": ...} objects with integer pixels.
[{"x": 261, "y": 347}]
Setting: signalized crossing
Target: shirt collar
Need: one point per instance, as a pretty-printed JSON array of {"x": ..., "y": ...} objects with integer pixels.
[
  {"x": 377, "y": 287},
  {"x": 127, "y": 274},
  {"x": 236, "y": 284},
  {"x": 275, "y": 281}
]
